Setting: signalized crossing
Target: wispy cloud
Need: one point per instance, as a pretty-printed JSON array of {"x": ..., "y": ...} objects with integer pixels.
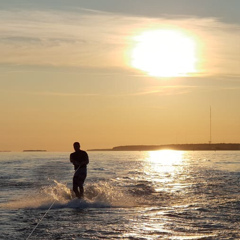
[
  {"x": 62, "y": 94},
  {"x": 166, "y": 90},
  {"x": 51, "y": 94},
  {"x": 103, "y": 40}
]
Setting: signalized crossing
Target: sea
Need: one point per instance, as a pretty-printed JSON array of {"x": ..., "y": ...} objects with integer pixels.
[{"x": 128, "y": 195}]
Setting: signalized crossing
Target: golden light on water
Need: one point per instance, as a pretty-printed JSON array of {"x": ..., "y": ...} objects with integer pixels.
[
  {"x": 164, "y": 53},
  {"x": 169, "y": 157},
  {"x": 166, "y": 160},
  {"x": 163, "y": 167}
]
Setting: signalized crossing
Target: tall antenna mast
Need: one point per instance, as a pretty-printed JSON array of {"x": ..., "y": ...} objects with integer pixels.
[{"x": 210, "y": 140}]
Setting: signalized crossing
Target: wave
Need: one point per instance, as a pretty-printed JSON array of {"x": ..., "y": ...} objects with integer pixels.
[
  {"x": 97, "y": 195},
  {"x": 81, "y": 204}
]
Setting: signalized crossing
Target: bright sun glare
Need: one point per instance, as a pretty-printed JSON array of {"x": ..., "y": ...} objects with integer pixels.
[
  {"x": 166, "y": 157},
  {"x": 164, "y": 53}
]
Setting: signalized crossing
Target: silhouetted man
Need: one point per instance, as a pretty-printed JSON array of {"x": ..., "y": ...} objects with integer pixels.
[{"x": 79, "y": 159}]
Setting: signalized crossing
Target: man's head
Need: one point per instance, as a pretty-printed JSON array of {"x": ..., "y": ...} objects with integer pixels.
[{"x": 76, "y": 146}]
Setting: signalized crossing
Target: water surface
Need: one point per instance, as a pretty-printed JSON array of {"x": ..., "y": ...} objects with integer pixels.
[{"x": 129, "y": 195}]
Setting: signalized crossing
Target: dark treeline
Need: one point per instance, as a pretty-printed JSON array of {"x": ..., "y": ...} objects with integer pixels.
[{"x": 184, "y": 147}]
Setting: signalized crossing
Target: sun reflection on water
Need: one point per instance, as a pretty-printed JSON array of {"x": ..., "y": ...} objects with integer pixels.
[
  {"x": 166, "y": 157},
  {"x": 164, "y": 168}
]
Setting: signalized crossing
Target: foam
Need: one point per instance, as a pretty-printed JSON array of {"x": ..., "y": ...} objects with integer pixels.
[{"x": 97, "y": 195}]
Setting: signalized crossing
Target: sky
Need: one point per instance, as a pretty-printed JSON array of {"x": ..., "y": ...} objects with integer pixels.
[{"x": 109, "y": 73}]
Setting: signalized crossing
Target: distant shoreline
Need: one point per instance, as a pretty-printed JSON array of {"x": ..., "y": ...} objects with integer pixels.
[{"x": 182, "y": 147}]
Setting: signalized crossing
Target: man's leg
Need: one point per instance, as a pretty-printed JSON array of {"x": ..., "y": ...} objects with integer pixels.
[
  {"x": 81, "y": 191},
  {"x": 81, "y": 181},
  {"x": 75, "y": 187}
]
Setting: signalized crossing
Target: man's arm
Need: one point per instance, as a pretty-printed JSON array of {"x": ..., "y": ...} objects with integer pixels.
[
  {"x": 85, "y": 160},
  {"x": 73, "y": 161}
]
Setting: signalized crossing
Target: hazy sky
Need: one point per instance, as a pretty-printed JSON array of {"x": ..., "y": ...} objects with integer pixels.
[{"x": 74, "y": 70}]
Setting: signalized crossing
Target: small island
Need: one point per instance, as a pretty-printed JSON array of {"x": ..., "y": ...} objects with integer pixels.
[{"x": 34, "y": 150}]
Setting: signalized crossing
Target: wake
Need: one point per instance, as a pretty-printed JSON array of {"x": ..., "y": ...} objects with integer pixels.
[{"x": 97, "y": 195}]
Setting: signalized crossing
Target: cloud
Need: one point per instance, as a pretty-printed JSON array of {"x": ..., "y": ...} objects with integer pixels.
[
  {"x": 59, "y": 39},
  {"x": 104, "y": 40},
  {"x": 62, "y": 94},
  {"x": 166, "y": 90},
  {"x": 51, "y": 94}
]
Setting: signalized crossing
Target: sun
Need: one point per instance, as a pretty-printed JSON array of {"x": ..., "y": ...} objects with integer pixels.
[{"x": 164, "y": 53}]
